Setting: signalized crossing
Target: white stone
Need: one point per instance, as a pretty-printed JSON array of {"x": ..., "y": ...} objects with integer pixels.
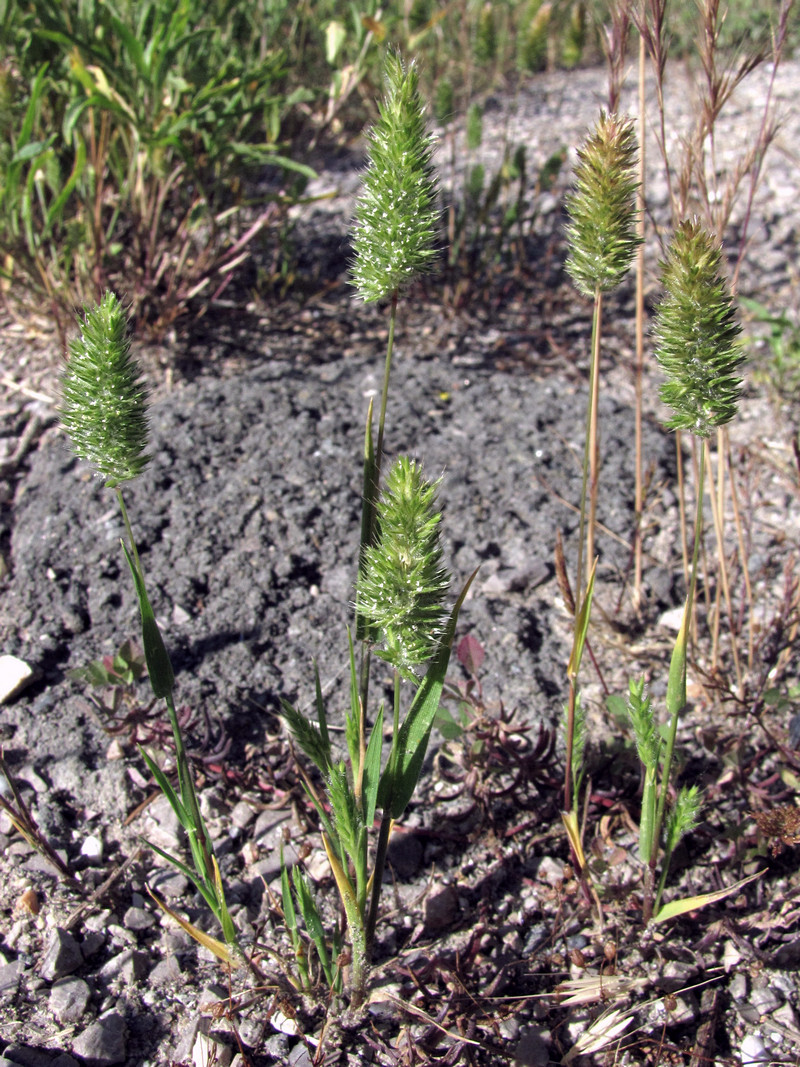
[
  {"x": 672, "y": 619},
  {"x": 753, "y": 1051},
  {"x": 15, "y": 674},
  {"x": 92, "y": 848}
]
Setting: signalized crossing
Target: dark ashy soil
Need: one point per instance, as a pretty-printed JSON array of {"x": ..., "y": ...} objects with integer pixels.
[{"x": 247, "y": 524}]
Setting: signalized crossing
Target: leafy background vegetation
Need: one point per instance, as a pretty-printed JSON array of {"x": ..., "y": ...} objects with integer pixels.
[{"x": 153, "y": 140}]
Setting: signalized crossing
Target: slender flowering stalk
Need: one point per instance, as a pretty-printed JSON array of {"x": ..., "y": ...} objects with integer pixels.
[
  {"x": 602, "y": 239},
  {"x": 696, "y": 333},
  {"x": 394, "y": 240},
  {"x": 104, "y": 410}
]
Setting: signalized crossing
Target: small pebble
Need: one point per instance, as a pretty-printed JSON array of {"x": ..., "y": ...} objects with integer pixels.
[
  {"x": 103, "y": 1043},
  {"x": 62, "y": 956},
  {"x": 753, "y": 1051},
  {"x": 92, "y": 848}
]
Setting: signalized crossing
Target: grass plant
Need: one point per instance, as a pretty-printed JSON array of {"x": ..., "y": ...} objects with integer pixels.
[
  {"x": 104, "y": 411},
  {"x": 400, "y": 614}
]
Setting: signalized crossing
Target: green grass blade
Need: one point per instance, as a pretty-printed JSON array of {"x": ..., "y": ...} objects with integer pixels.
[
  {"x": 166, "y": 788},
  {"x": 187, "y": 872},
  {"x": 581, "y": 628},
  {"x": 352, "y": 720},
  {"x": 676, "y": 683},
  {"x": 372, "y": 769},
  {"x": 308, "y": 910},
  {"x": 322, "y": 718},
  {"x": 159, "y": 665},
  {"x": 414, "y": 733}
]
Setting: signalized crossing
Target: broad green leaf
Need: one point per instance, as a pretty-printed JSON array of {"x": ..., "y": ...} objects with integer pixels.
[
  {"x": 447, "y": 725},
  {"x": 680, "y": 907}
]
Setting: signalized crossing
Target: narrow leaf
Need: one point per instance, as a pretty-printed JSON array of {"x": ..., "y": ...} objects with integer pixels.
[
  {"x": 680, "y": 907},
  {"x": 165, "y": 786},
  {"x": 676, "y": 683},
  {"x": 159, "y": 666},
  {"x": 412, "y": 742},
  {"x": 308, "y": 909},
  {"x": 219, "y": 948},
  {"x": 372, "y": 770},
  {"x": 570, "y": 821},
  {"x": 343, "y": 883},
  {"x": 581, "y": 628},
  {"x": 187, "y": 872}
]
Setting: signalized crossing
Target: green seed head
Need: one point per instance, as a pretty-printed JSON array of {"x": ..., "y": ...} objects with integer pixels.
[
  {"x": 104, "y": 401},
  {"x": 696, "y": 334},
  {"x": 683, "y": 816},
  {"x": 395, "y": 234},
  {"x": 403, "y": 584},
  {"x": 602, "y": 232}
]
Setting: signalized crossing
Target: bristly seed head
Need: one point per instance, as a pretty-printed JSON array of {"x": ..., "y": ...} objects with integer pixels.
[
  {"x": 104, "y": 401},
  {"x": 403, "y": 585},
  {"x": 697, "y": 333},
  {"x": 602, "y": 232},
  {"x": 395, "y": 232}
]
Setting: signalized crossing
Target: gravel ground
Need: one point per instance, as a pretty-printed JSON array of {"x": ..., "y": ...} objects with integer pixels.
[{"x": 247, "y": 522}]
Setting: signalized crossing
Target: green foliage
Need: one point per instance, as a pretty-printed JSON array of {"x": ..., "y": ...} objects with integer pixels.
[
  {"x": 444, "y": 101},
  {"x": 314, "y": 928},
  {"x": 642, "y": 719},
  {"x": 683, "y": 817},
  {"x": 486, "y": 35},
  {"x": 697, "y": 334},
  {"x": 533, "y": 38},
  {"x": 602, "y": 231},
  {"x": 474, "y": 127},
  {"x": 574, "y": 36},
  {"x": 782, "y": 369},
  {"x": 119, "y": 672},
  {"x": 130, "y": 127},
  {"x": 104, "y": 410},
  {"x": 395, "y": 235},
  {"x": 104, "y": 406}
]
